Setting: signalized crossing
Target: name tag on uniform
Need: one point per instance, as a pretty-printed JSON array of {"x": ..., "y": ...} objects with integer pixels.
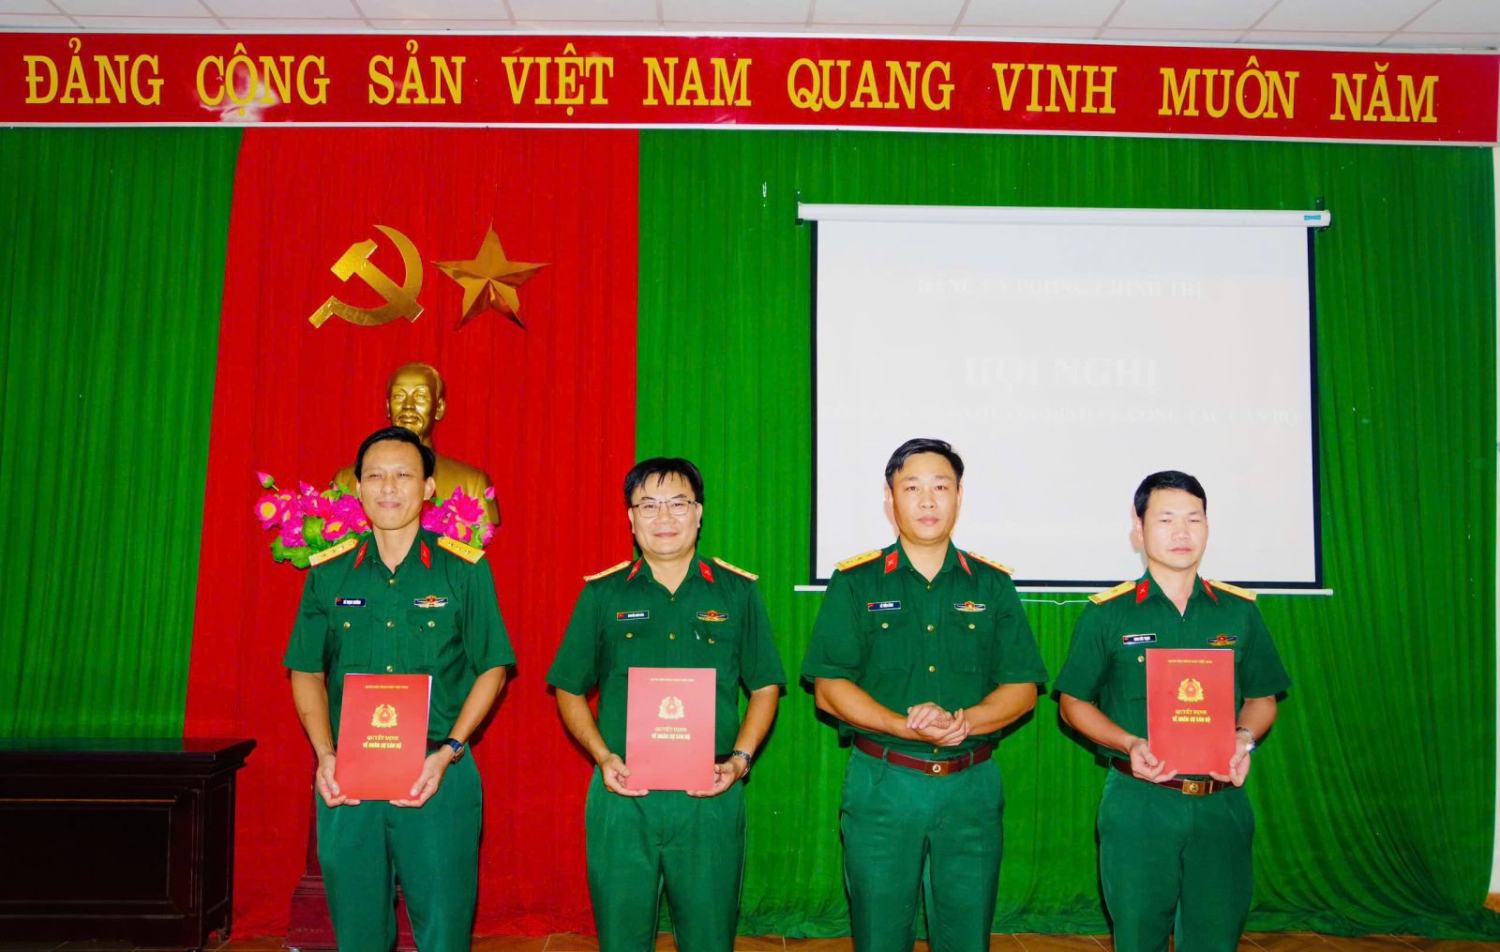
[
  {"x": 1137, "y": 639},
  {"x": 349, "y": 602},
  {"x": 429, "y": 601},
  {"x": 712, "y": 615},
  {"x": 632, "y": 616},
  {"x": 969, "y": 606},
  {"x": 882, "y": 606}
]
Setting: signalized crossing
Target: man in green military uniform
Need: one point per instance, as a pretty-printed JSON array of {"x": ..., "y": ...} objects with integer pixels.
[
  {"x": 667, "y": 608},
  {"x": 400, "y": 600},
  {"x": 1174, "y": 851},
  {"x": 922, "y": 653}
]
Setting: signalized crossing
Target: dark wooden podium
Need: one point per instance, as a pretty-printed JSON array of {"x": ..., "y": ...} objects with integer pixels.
[{"x": 118, "y": 839}]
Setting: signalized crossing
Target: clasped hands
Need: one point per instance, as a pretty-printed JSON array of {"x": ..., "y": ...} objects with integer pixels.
[{"x": 936, "y": 726}]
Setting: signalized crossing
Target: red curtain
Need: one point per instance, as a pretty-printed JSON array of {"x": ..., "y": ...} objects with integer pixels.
[{"x": 548, "y": 411}]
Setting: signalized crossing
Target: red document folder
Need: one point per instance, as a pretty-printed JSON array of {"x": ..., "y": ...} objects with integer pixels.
[
  {"x": 382, "y": 735},
  {"x": 669, "y": 728},
  {"x": 1190, "y": 708}
]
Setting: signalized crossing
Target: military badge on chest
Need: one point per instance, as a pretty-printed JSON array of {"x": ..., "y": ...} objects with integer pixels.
[{"x": 1223, "y": 641}]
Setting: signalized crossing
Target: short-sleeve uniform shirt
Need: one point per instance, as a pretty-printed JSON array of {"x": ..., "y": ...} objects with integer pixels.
[
  {"x": 1106, "y": 663},
  {"x": 905, "y": 640},
  {"x": 626, "y": 619},
  {"x": 436, "y": 614}
]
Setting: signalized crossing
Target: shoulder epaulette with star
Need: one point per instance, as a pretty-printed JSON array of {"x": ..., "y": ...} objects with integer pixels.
[
  {"x": 857, "y": 560},
  {"x": 609, "y": 571},
  {"x": 1099, "y": 598},
  {"x": 1244, "y": 593},
  {"x": 333, "y": 552},
  {"x": 468, "y": 553},
  {"x": 991, "y": 562},
  {"x": 735, "y": 569}
]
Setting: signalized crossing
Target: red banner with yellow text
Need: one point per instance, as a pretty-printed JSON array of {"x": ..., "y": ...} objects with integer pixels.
[{"x": 796, "y": 82}]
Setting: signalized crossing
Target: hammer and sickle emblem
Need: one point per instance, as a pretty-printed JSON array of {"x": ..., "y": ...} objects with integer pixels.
[{"x": 400, "y": 301}]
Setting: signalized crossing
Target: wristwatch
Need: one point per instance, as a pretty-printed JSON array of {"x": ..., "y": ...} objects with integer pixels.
[
  {"x": 1249, "y": 737},
  {"x": 457, "y": 746},
  {"x": 746, "y": 757}
]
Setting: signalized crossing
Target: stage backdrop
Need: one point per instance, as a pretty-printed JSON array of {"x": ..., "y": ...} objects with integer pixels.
[{"x": 1375, "y": 791}]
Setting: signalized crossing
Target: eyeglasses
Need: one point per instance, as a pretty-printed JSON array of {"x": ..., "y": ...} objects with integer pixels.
[{"x": 677, "y": 506}]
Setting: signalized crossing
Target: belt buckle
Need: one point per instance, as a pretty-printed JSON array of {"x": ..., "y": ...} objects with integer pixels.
[
  {"x": 939, "y": 768},
  {"x": 1197, "y": 788}
]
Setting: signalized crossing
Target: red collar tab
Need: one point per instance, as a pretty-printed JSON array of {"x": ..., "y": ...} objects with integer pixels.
[
  {"x": 1209, "y": 589},
  {"x": 708, "y": 573},
  {"x": 633, "y": 570},
  {"x": 426, "y": 553},
  {"x": 964, "y": 562},
  {"x": 1142, "y": 589},
  {"x": 892, "y": 559},
  {"x": 361, "y": 556}
]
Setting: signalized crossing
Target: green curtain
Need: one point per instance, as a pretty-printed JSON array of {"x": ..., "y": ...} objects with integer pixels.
[
  {"x": 1375, "y": 792},
  {"x": 113, "y": 261}
]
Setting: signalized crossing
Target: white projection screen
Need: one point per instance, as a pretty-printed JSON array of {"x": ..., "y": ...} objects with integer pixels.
[{"x": 1066, "y": 353}]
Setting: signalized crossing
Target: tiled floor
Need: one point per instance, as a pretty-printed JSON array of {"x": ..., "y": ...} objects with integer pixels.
[{"x": 567, "y": 942}]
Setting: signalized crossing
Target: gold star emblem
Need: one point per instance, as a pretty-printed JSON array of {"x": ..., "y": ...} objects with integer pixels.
[{"x": 490, "y": 280}]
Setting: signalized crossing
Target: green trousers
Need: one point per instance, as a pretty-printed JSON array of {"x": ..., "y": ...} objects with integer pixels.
[
  {"x": 692, "y": 846},
  {"x": 1174, "y": 863},
  {"x": 908, "y": 834},
  {"x": 432, "y": 850}
]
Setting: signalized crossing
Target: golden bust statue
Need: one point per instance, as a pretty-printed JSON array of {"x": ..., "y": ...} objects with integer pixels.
[{"x": 414, "y": 400}]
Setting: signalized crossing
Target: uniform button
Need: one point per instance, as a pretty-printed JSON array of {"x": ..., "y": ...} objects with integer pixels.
[
  {"x": 629, "y": 634},
  {"x": 390, "y": 668},
  {"x": 391, "y": 580},
  {"x": 929, "y": 586},
  {"x": 885, "y": 624},
  {"x": 672, "y": 635},
  {"x": 671, "y": 598},
  {"x": 937, "y": 750},
  {"x": 971, "y": 626},
  {"x": 433, "y": 624},
  {"x": 710, "y": 641},
  {"x": 932, "y": 669},
  {"x": 1141, "y": 658},
  {"x": 346, "y": 624},
  {"x": 390, "y": 624},
  {"x": 931, "y": 627}
]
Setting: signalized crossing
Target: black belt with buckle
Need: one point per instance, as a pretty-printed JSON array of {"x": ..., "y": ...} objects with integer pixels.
[
  {"x": 933, "y": 768},
  {"x": 1192, "y": 788}
]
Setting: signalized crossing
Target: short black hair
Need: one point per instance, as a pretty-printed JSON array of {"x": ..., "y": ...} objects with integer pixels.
[
  {"x": 661, "y": 467},
  {"x": 399, "y": 434},
  {"x": 922, "y": 445},
  {"x": 1167, "y": 479}
]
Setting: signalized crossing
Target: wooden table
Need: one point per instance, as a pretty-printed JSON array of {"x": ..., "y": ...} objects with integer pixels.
[{"x": 118, "y": 839}]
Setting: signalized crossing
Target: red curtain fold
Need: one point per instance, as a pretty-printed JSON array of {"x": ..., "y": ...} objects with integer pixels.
[{"x": 548, "y": 411}]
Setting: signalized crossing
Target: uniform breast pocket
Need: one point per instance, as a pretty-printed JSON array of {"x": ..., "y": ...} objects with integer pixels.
[
  {"x": 891, "y": 642},
  {"x": 353, "y": 637},
  {"x": 1128, "y": 672},
  {"x": 971, "y": 640},
  {"x": 718, "y": 649},
  {"x": 430, "y": 638},
  {"x": 628, "y": 645}
]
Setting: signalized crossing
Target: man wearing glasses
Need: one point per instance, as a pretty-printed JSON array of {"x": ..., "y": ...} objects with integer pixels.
[
  {"x": 922, "y": 653},
  {"x": 668, "y": 608}
]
